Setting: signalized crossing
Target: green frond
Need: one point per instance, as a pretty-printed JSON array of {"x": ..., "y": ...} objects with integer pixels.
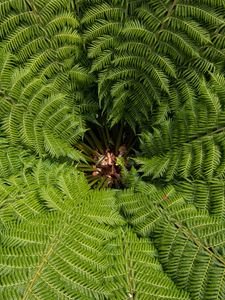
[
  {"x": 52, "y": 7},
  {"x": 101, "y": 44},
  {"x": 194, "y": 146},
  {"x": 21, "y": 36},
  {"x": 146, "y": 14},
  {"x": 19, "y": 77},
  {"x": 205, "y": 195},
  {"x": 66, "y": 37},
  {"x": 12, "y": 122},
  {"x": 6, "y": 6},
  {"x": 26, "y": 121},
  {"x": 102, "y": 28},
  {"x": 134, "y": 30},
  {"x": 11, "y": 22},
  {"x": 5, "y": 107},
  {"x": 200, "y": 13},
  {"x": 31, "y": 48},
  {"x": 139, "y": 273},
  {"x": 59, "y": 22},
  {"x": 199, "y": 159},
  {"x": 193, "y": 29},
  {"x": 84, "y": 245},
  {"x": 39, "y": 60},
  {"x": 103, "y": 11},
  {"x": 91, "y": 247},
  {"x": 203, "y": 65},
  {"x": 80, "y": 77},
  {"x": 189, "y": 242},
  {"x": 165, "y": 63},
  {"x": 7, "y": 62},
  {"x": 10, "y": 160},
  {"x": 102, "y": 61},
  {"x": 210, "y": 99},
  {"x": 179, "y": 40},
  {"x": 150, "y": 74},
  {"x": 57, "y": 147}
]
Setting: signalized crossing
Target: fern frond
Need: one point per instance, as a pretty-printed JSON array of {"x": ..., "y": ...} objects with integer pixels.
[
  {"x": 137, "y": 270},
  {"x": 190, "y": 243},
  {"x": 11, "y": 22},
  {"x": 193, "y": 29},
  {"x": 204, "y": 14},
  {"x": 180, "y": 41},
  {"x": 58, "y": 23},
  {"x": 21, "y": 36},
  {"x": 101, "y": 44},
  {"x": 85, "y": 247},
  {"x": 58, "y": 147},
  {"x": 103, "y": 11},
  {"x": 101, "y": 28},
  {"x": 134, "y": 30},
  {"x": 157, "y": 68},
  {"x": 205, "y": 195},
  {"x": 52, "y": 7}
]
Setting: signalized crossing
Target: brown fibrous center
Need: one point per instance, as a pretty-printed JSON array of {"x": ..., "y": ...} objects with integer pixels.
[{"x": 106, "y": 165}]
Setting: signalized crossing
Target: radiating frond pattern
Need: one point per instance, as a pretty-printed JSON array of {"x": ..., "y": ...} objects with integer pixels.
[
  {"x": 40, "y": 54},
  {"x": 191, "y": 145},
  {"x": 190, "y": 243},
  {"x": 77, "y": 250},
  {"x": 79, "y": 81},
  {"x": 140, "y": 57}
]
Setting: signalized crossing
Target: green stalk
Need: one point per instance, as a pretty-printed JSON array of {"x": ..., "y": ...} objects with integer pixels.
[
  {"x": 85, "y": 148},
  {"x": 130, "y": 142},
  {"x": 97, "y": 142},
  {"x": 102, "y": 183},
  {"x": 85, "y": 167},
  {"x": 104, "y": 136},
  {"x": 119, "y": 138},
  {"x": 90, "y": 141},
  {"x": 93, "y": 181}
]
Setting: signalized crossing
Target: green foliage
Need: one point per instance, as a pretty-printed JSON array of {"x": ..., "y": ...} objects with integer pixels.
[
  {"x": 62, "y": 240},
  {"x": 190, "y": 243},
  {"x": 156, "y": 67},
  {"x": 191, "y": 145}
]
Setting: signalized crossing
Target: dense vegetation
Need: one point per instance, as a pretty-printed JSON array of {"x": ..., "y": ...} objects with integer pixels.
[{"x": 79, "y": 79}]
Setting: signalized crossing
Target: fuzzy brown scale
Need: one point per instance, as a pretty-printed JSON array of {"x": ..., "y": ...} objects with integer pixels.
[
  {"x": 107, "y": 154},
  {"x": 106, "y": 166}
]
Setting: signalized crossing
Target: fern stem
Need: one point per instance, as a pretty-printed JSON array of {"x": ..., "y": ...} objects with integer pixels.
[
  {"x": 40, "y": 268},
  {"x": 97, "y": 142},
  {"x": 119, "y": 138},
  {"x": 169, "y": 12},
  {"x": 186, "y": 231},
  {"x": 129, "y": 268}
]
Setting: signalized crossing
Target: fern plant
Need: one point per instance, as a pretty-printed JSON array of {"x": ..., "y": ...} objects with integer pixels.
[{"x": 81, "y": 217}]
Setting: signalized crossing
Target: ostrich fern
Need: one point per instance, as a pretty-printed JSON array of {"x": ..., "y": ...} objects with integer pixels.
[{"x": 71, "y": 72}]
